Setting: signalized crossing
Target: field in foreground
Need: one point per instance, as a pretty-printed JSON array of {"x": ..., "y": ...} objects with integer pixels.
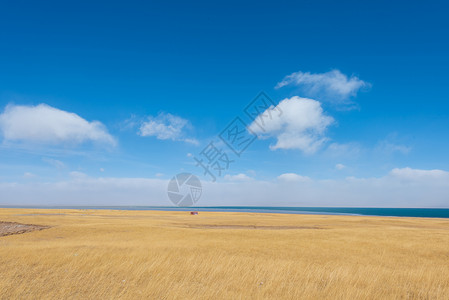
[{"x": 96, "y": 254}]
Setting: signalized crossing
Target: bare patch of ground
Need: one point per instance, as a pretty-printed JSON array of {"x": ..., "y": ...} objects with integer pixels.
[{"x": 10, "y": 228}]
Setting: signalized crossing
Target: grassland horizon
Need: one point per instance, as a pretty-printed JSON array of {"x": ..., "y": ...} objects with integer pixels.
[
  {"x": 97, "y": 254},
  {"x": 425, "y": 212}
]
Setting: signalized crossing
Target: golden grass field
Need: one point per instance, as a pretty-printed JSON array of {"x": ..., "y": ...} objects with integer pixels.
[{"x": 104, "y": 254}]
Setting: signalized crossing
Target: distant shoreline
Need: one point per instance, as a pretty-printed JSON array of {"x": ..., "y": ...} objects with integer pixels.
[{"x": 354, "y": 211}]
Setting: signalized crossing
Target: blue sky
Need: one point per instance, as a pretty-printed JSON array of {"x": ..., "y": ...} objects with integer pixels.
[{"x": 127, "y": 94}]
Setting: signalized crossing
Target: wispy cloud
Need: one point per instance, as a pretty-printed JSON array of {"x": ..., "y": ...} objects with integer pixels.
[
  {"x": 345, "y": 150},
  {"x": 401, "y": 187},
  {"x": 131, "y": 123},
  {"x": 302, "y": 125},
  {"x": 166, "y": 126},
  {"x": 419, "y": 175},
  {"x": 391, "y": 145},
  {"x": 28, "y": 175},
  {"x": 43, "y": 124},
  {"x": 340, "y": 166},
  {"x": 332, "y": 86},
  {"x": 54, "y": 162}
]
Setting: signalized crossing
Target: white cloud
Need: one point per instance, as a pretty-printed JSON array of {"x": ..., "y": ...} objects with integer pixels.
[
  {"x": 292, "y": 177},
  {"x": 333, "y": 85},
  {"x": 166, "y": 126},
  {"x": 419, "y": 175},
  {"x": 44, "y": 124},
  {"x": 190, "y": 141},
  {"x": 405, "y": 187},
  {"x": 301, "y": 125},
  {"x": 340, "y": 166},
  {"x": 238, "y": 177}
]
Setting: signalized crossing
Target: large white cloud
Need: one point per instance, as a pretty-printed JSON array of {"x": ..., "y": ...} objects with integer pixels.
[
  {"x": 333, "y": 85},
  {"x": 166, "y": 126},
  {"x": 48, "y": 125},
  {"x": 301, "y": 125},
  {"x": 403, "y": 187}
]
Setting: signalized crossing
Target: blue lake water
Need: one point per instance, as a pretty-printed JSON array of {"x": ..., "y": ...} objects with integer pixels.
[{"x": 392, "y": 212}]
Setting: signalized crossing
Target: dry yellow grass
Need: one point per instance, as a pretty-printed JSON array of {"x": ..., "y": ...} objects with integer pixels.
[{"x": 172, "y": 255}]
